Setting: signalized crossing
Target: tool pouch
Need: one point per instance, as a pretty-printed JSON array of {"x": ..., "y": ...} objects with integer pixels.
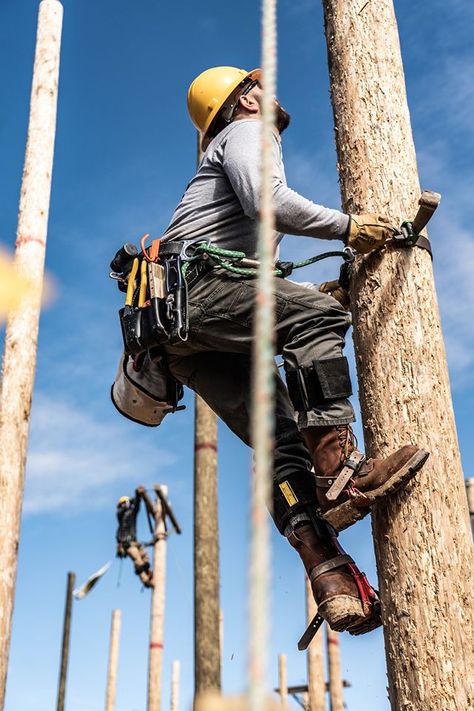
[
  {"x": 156, "y": 310},
  {"x": 146, "y": 395}
]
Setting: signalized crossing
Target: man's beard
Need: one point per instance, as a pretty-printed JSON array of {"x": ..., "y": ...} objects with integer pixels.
[{"x": 282, "y": 117}]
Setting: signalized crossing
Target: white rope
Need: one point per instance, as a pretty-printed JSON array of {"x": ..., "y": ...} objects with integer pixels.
[{"x": 263, "y": 383}]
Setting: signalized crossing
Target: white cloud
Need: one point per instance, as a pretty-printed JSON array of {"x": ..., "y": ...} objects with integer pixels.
[{"x": 76, "y": 459}]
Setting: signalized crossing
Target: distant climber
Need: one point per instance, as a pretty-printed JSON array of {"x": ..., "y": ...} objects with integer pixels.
[{"x": 127, "y": 543}]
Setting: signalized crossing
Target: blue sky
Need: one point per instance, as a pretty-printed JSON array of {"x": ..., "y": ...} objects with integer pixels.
[{"x": 125, "y": 150}]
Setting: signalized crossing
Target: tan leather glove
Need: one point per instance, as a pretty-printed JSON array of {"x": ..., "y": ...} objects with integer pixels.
[
  {"x": 369, "y": 231},
  {"x": 334, "y": 289}
]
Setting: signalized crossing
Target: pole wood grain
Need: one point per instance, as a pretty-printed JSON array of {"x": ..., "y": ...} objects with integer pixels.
[
  {"x": 422, "y": 537},
  {"x": 19, "y": 360},
  {"x": 315, "y": 659},
  {"x": 207, "y": 647}
]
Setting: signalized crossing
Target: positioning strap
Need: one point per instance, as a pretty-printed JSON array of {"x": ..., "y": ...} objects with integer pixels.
[{"x": 351, "y": 465}]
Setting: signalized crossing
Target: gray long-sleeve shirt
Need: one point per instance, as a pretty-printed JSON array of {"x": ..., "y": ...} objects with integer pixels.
[{"x": 221, "y": 202}]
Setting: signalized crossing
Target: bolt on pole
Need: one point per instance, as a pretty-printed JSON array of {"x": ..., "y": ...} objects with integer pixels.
[
  {"x": 111, "y": 692},
  {"x": 71, "y": 580},
  {"x": 19, "y": 360},
  {"x": 403, "y": 376}
]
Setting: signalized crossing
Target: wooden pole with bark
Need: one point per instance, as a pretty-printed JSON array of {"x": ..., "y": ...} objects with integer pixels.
[
  {"x": 19, "y": 360},
  {"x": 422, "y": 537},
  {"x": 175, "y": 669},
  {"x": 207, "y": 657},
  {"x": 207, "y": 644},
  {"x": 157, "y": 618},
  {"x": 111, "y": 692},
  {"x": 316, "y": 696},
  {"x": 71, "y": 579},
  {"x": 336, "y": 699},
  {"x": 470, "y": 500},
  {"x": 283, "y": 681}
]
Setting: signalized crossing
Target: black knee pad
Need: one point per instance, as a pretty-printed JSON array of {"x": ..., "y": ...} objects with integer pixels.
[
  {"x": 294, "y": 493},
  {"x": 320, "y": 381}
]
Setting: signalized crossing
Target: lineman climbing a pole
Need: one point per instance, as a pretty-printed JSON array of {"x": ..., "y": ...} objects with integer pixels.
[
  {"x": 127, "y": 543},
  {"x": 206, "y": 341}
]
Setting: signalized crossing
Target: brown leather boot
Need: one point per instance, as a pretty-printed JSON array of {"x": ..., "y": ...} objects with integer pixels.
[
  {"x": 343, "y": 595},
  {"x": 348, "y": 485}
]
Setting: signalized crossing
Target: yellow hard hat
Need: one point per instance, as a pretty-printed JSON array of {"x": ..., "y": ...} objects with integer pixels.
[
  {"x": 215, "y": 92},
  {"x": 123, "y": 500}
]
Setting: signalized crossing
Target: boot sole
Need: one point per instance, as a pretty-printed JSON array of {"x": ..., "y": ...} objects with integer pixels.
[
  {"x": 348, "y": 513},
  {"x": 342, "y": 612}
]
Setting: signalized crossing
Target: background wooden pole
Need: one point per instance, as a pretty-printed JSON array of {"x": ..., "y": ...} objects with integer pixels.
[
  {"x": 111, "y": 692},
  {"x": 316, "y": 696},
  {"x": 336, "y": 699},
  {"x": 175, "y": 669},
  {"x": 19, "y": 358},
  {"x": 207, "y": 627},
  {"x": 157, "y": 620},
  {"x": 422, "y": 538},
  {"x": 71, "y": 579},
  {"x": 283, "y": 681},
  {"x": 207, "y": 657},
  {"x": 470, "y": 500}
]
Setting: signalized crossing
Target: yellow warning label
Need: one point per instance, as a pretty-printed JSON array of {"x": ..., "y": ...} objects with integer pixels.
[{"x": 288, "y": 493}]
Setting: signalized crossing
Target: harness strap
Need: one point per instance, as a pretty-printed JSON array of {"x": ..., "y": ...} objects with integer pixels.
[{"x": 328, "y": 565}]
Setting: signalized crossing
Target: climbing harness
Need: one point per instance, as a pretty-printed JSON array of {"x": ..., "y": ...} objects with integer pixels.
[{"x": 156, "y": 283}]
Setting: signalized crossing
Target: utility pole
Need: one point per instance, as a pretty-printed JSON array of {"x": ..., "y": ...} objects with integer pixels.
[
  {"x": 283, "y": 681},
  {"x": 470, "y": 500},
  {"x": 21, "y": 335},
  {"x": 336, "y": 700},
  {"x": 71, "y": 580},
  {"x": 316, "y": 696},
  {"x": 160, "y": 511},
  {"x": 207, "y": 657},
  {"x": 175, "y": 669},
  {"x": 111, "y": 692},
  {"x": 207, "y": 646},
  {"x": 422, "y": 538}
]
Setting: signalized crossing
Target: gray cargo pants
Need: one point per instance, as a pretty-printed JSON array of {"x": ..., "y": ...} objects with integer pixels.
[{"x": 215, "y": 363}]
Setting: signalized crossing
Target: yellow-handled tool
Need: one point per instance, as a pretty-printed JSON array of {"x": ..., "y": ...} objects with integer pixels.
[
  {"x": 143, "y": 284},
  {"x": 131, "y": 283}
]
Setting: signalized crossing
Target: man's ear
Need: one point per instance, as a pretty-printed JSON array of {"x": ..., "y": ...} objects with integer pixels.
[{"x": 249, "y": 103}]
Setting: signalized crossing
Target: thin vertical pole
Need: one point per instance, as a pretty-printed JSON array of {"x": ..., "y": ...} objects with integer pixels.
[
  {"x": 207, "y": 663},
  {"x": 111, "y": 693},
  {"x": 336, "y": 701},
  {"x": 207, "y": 658},
  {"x": 470, "y": 500},
  {"x": 263, "y": 382},
  {"x": 19, "y": 360},
  {"x": 175, "y": 670},
  {"x": 71, "y": 579},
  {"x": 157, "y": 620},
  {"x": 315, "y": 660},
  {"x": 283, "y": 681}
]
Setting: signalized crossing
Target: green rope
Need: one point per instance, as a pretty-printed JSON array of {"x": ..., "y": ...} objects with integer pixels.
[{"x": 222, "y": 256}]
